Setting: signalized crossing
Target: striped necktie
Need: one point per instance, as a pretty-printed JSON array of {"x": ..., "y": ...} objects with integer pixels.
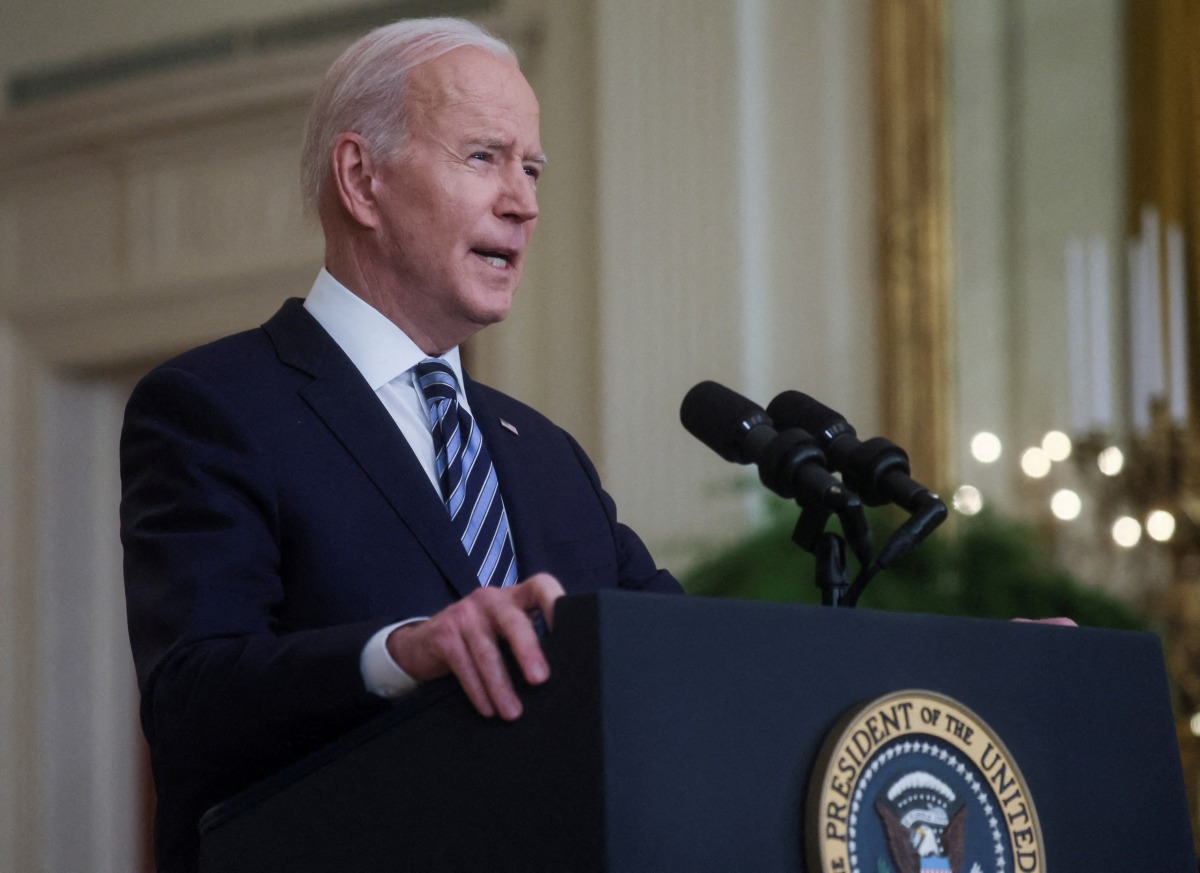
[{"x": 468, "y": 479}]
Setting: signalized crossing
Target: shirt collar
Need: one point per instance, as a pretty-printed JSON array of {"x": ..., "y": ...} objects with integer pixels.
[{"x": 379, "y": 349}]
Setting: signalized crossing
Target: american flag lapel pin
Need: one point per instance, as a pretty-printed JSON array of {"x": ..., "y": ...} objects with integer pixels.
[{"x": 509, "y": 426}]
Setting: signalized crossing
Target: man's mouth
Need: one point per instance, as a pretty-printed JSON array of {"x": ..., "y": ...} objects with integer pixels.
[{"x": 500, "y": 260}]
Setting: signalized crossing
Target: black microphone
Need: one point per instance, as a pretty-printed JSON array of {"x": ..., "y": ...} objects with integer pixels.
[
  {"x": 877, "y": 470},
  {"x": 789, "y": 462}
]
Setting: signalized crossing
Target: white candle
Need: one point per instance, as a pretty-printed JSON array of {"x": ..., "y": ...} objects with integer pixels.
[
  {"x": 1139, "y": 395},
  {"x": 1177, "y": 324},
  {"x": 1101, "y": 336},
  {"x": 1152, "y": 298},
  {"x": 1077, "y": 335}
]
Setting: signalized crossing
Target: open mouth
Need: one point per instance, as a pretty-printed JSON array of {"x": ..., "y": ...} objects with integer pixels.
[{"x": 500, "y": 260}]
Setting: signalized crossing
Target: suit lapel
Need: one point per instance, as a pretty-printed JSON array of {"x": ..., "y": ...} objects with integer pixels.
[{"x": 338, "y": 395}]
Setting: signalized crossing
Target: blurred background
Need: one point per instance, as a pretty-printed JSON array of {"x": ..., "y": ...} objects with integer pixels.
[{"x": 969, "y": 225}]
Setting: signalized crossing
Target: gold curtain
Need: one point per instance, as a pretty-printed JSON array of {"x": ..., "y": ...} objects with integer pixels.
[
  {"x": 912, "y": 228},
  {"x": 1164, "y": 174},
  {"x": 1164, "y": 135}
]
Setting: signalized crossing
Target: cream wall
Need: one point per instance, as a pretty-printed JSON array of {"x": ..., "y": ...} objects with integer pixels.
[
  {"x": 735, "y": 235},
  {"x": 706, "y": 215}
]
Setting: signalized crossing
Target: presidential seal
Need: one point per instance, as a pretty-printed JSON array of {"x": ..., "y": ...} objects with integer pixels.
[{"x": 914, "y": 782}]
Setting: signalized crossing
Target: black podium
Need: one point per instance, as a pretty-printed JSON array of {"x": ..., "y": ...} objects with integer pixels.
[{"x": 679, "y": 734}]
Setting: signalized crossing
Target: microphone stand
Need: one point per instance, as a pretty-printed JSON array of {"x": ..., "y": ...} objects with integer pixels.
[
  {"x": 829, "y": 550},
  {"x": 831, "y": 570}
]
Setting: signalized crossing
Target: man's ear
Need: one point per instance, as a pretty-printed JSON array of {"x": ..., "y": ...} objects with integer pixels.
[{"x": 354, "y": 178}]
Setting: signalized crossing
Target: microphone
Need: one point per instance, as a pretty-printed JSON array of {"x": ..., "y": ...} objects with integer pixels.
[
  {"x": 789, "y": 461},
  {"x": 877, "y": 470}
]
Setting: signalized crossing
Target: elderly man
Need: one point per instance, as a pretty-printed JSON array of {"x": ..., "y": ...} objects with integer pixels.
[{"x": 322, "y": 513}]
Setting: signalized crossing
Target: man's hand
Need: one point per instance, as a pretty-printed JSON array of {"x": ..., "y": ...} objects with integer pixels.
[{"x": 463, "y": 639}]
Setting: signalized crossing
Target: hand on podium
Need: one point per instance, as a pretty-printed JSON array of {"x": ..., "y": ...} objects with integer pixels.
[{"x": 463, "y": 639}]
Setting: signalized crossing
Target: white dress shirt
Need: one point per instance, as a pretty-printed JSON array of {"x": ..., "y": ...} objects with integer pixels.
[{"x": 386, "y": 356}]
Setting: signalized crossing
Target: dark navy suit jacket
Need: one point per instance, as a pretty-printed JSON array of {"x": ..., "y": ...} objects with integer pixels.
[{"x": 274, "y": 517}]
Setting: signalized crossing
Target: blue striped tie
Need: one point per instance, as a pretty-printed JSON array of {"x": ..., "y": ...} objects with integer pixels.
[{"x": 469, "y": 484}]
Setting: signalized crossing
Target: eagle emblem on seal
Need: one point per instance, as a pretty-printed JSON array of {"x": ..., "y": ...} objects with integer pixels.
[{"x": 925, "y": 824}]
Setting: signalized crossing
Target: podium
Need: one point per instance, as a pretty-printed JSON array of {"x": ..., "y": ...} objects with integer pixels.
[{"x": 680, "y": 734}]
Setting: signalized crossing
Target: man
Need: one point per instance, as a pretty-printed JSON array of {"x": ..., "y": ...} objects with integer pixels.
[{"x": 294, "y": 550}]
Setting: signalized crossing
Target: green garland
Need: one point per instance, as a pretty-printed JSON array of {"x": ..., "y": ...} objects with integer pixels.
[{"x": 980, "y": 566}]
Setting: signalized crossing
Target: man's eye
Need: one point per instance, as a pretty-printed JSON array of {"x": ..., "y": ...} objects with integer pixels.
[
  {"x": 533, "y": 172},
  {"x": 481, "y": 156}
]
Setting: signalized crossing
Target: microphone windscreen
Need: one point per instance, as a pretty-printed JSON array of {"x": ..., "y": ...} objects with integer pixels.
[
  {"x": 794, "y": 409},
  {"x": 721, "y": 418}
]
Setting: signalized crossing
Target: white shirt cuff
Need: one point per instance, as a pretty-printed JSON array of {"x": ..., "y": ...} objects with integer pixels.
[{"x": 380, "y": 673}]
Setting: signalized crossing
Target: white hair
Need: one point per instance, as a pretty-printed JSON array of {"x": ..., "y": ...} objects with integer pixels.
[{"x": 364, "y": 90}]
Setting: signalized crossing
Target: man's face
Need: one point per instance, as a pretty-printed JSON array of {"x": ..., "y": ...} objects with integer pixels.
[{"x": 459, "y": 206}]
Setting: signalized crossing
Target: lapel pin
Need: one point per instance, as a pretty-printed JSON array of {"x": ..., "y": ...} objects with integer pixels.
[{"x": 509, "y": 426}]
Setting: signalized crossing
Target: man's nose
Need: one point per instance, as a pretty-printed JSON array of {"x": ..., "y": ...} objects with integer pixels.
[{"x": 518, "y": 199}]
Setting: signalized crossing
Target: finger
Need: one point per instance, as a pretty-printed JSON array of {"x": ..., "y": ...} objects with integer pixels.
[
  {"x": 514, "y": 625},
  {"x": 487, "y": 664},
  {"x": 540, "y": 591},
  {"x": 462, "y": 665}
]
